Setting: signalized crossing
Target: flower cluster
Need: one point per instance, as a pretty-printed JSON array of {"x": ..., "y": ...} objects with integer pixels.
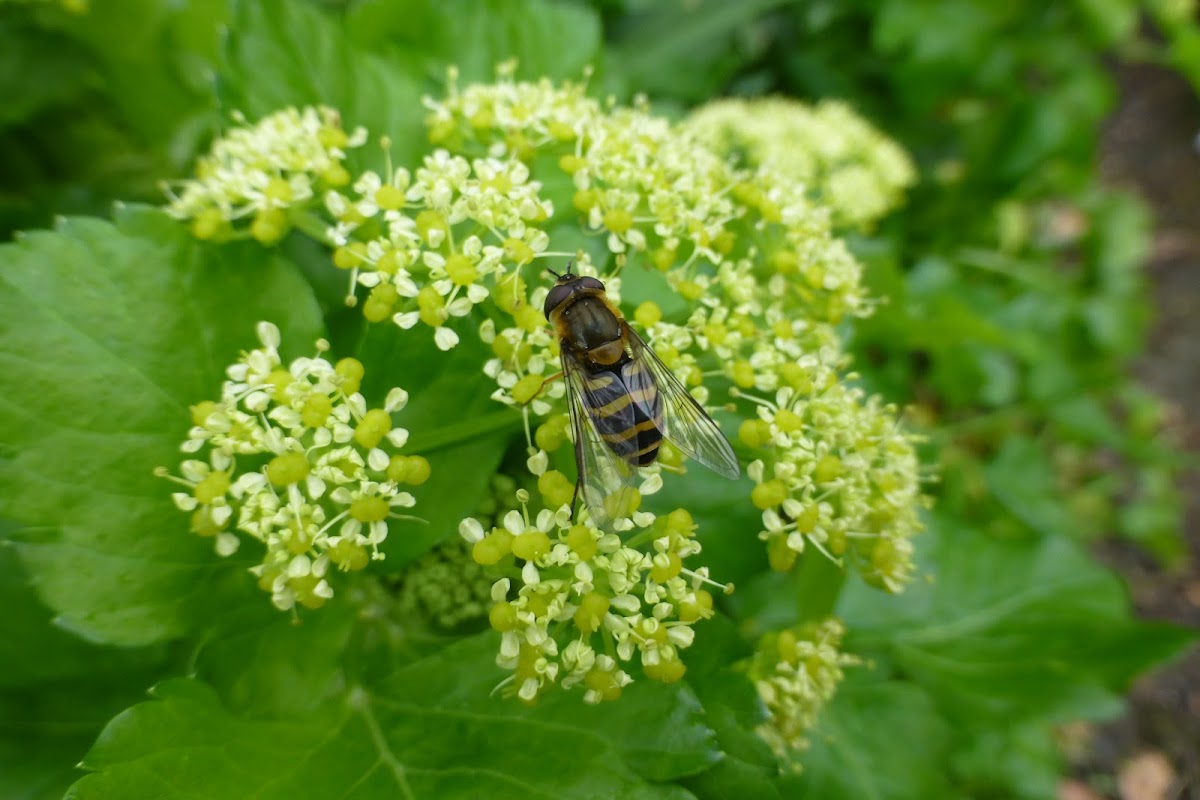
[
  {"x": 742, "y": 283},
  {"x": 254, "y": 174},
  {"x": 448, "y": 234},
  {"x": 445, "y": 586},
  {"x": 839, "y": 157},
  {"x": 579, "y": 605},
  {"x": 839, "y": 475},
  {"x": 764, "y": 281},
  {"x": 295, "y": 459},
  {"x": 796, "y": 672}
]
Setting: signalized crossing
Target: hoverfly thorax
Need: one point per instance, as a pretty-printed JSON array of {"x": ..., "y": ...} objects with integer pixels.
[{"x": 623, "y": 400}]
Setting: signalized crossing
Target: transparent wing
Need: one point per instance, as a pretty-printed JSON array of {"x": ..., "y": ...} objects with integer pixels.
[
  {"x": 604, "y": 479},
  {"x": 676, "y": 413}
]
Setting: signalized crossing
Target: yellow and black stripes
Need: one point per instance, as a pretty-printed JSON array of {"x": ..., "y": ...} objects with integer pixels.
[{"x": 619, "y": 415}]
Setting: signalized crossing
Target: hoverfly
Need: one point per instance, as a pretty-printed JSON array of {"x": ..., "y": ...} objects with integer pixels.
[{"x": 623, "y": 400}]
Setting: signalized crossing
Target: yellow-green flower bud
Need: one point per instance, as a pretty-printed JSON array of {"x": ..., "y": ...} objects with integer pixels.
[
  {"x": 555, "y": 488},
  {"x": 210, "y": 225},
  {"x": 316, "y": 410},
  {"x": 755, "y": 432},
  {"x": 582, "y": 542},
  {"x": 618, "y": 220},
  {"x": 700, "y": 608},
  {"x": 680, "y": 523},
  {"x": 412, "y": 470},
  {"x": 374, "y": 426},
  {"x": 690, "y": 290},
  {"x": 460, "y": 270},
  {"x": 590, "y": 614},
  {"x": 288, "y": 468},
  {"x": 742, "y": 373},
  {"x": 552, "y": 433},
  {"x": 493, "y": 547},
  {"x": 528, "y": 318},
  {"x": 647, "y": 314},
  {"x": 769, "y": 494},
  {"x": 349, "y": 256},
  {"x": 531, "y": 545},
  {"x": 351, "y": 372},
  {"x": 281, "y": 379},
  {"x": 389, "y": 198},
  {"x": 202, "y": 411},
  {"x": 666, "y": 671},
  {"x": 665, "y": 571},
  {"x": 604, "y": 684},
  {"x": 788, "y": 421},
  {"x": 503, "y": 617},
  {"x": 829, "y": 468},
  {"x": 269, "y": 225},
  {"x": 527, "y": 388},
  {"x": 348, "y": 555},
  {"x": 780, "y": 557},
  {"x": 369, "y": 509},
  {"x": 381, "y": 302},
  {"x": 213, "y": 486}
]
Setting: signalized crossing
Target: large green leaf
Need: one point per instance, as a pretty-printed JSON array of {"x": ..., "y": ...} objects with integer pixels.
[
  {"x": 548, "y": 39},
  {"x": 876, "y": 740},
  {"x": 748, "y": 767},
  {"x": 1022, "y": 479},
  {"x": 38, "y": 70},
  {"x": 108, "y": 333},
  {"x": 1009, "y": 630},
  {"x": 431, "y": 730},
  {"x": 155, "y": 62},
  {"x": 56, "y": 692},
  {"x": 682, "y": 49},
  {"x": 658, "y": 730},
  {"x": 283, "y": 54}
]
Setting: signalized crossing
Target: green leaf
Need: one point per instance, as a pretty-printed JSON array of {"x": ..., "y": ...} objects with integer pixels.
[
  {"x": 431, "y": 730},
  {"x": 747, "y": 768},
  {"x": 34, "y": 652},
  {"x": 38, "y": 70},
  {"x": 283, "y": 54},
  {"x": 876, "y": 740},
  {"x": 113, "y": 330},
  {"x": 1017, "y": 762},
  {"x": 155, "y": 64},
  {"x": 266, "y": 664},
  {"x": 681, "y": 49},
  {"x": 548, "y": 39},
  {"x": 657, "y": 729},
  {"x": 1009, "y": 631},
  {"x": 1023, "y": 480},
  {"x": 56, "y": 692},
  {"x": 732, "y": 707}
]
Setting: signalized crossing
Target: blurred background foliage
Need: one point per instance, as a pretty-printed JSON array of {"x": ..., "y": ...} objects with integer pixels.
[{"x": 1014, "y": 300}]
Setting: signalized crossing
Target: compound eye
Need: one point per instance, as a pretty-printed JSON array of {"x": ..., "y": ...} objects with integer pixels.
[
  {"x": 557, "y": 295},
  {"x": 591, "y": 283}
]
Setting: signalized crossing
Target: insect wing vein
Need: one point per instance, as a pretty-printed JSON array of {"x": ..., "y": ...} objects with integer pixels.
[
  {"x": 603, "y": 477},
  {"x": 680, "y": 418}
]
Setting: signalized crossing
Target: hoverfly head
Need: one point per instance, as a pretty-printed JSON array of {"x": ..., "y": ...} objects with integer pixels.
[{"x": 567, "y": 284}]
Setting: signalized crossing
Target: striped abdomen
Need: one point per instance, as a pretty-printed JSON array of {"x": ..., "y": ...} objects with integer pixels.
[{"x": 628, "y": 419}]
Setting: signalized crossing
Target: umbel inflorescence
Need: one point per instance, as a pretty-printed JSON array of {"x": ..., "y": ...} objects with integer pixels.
[
  {"x": 740, "y": 286},
  {"x": 295, "y": 459}
]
